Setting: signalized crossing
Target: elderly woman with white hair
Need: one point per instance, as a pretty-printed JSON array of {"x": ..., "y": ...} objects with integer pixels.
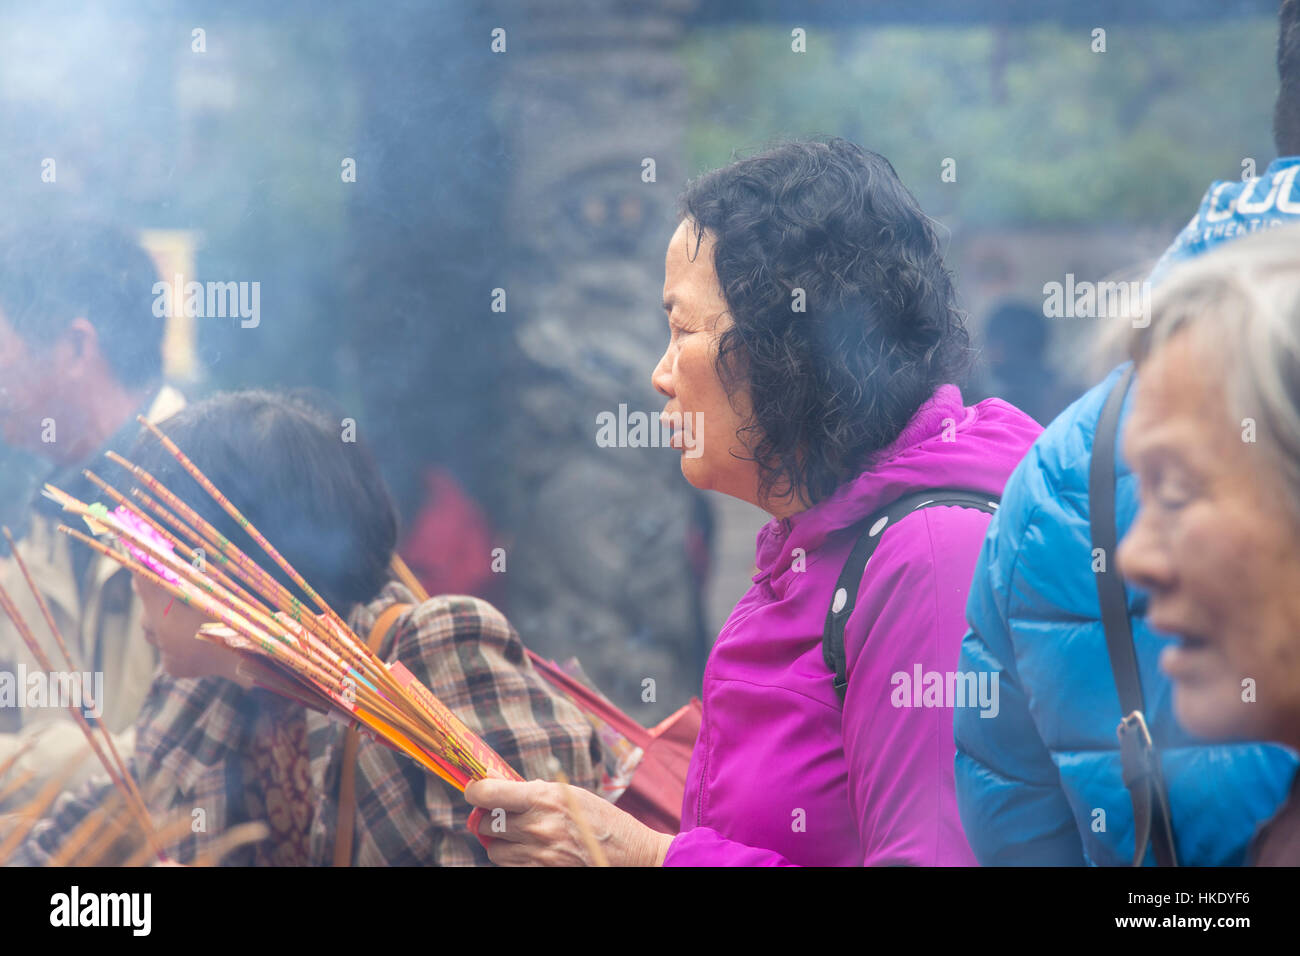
[{"x": 1215, "y": 441}]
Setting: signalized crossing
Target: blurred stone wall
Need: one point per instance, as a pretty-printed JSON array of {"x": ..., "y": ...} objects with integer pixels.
[{"x": 598, "y": 563}]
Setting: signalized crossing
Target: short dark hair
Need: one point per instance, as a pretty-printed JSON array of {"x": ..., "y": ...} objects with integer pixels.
[
  {"x": 1286, "y": 111},
  {"x": 54, "y": 272},
  {"x": 834, "y": 384},
  {"x": 282, "y": 461}
]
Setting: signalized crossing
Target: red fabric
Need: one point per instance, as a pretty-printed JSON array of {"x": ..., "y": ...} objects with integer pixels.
[
  {"x": 655, "y": 796},
  {"x": 450, "y": 543}
]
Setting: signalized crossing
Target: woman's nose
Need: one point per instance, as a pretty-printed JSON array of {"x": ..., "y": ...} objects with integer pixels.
[
  {"x": 661, "y": 378},
  {"x": 1141, "y": 558}
]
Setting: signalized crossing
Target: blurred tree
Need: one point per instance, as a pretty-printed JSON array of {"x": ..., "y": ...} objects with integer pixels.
[{"x": 1055, "y": 134}]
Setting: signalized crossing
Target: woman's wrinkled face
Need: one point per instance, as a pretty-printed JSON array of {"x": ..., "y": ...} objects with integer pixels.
[
  {"x": 705, "y": 420},
  {"x": 1216, "y": 548},
  {"x": 171, "y": 627}
]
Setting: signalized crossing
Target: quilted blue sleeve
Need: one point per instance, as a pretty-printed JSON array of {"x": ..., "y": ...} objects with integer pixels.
[{"x": 1013, "y": 809}]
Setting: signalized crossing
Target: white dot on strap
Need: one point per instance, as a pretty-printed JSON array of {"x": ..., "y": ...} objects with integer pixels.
[
  {"x": 841, "y": 599},
  {"x": 879, "y": 526}
]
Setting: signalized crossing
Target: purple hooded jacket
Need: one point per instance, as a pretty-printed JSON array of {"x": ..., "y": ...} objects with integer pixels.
[{"x": 782, "y": 774}]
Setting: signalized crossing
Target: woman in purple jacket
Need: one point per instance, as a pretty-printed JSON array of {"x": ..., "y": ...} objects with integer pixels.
[{"x": 813, "y": 334}]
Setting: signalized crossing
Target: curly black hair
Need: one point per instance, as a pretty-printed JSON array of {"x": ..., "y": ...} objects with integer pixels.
[{"x": 879, "y": 331}]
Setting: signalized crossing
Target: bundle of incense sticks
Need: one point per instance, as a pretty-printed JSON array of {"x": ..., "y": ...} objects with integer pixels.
[
  {"x": 98, "y": 736},
  {"x": 284, "y": 647}
]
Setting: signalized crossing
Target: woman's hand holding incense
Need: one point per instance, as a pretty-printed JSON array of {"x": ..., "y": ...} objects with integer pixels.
[{"x": 555, "y": 824}]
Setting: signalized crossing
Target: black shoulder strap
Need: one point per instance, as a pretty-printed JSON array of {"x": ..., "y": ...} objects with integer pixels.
[
  {"x": 1139, "y": 759},
  {"x": 873, "y": 529}
]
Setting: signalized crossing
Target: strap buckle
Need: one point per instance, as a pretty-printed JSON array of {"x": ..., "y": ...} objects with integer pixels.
[
  {"x": 1136, "y": 720},
  {"x": 1136, "y": 748}
]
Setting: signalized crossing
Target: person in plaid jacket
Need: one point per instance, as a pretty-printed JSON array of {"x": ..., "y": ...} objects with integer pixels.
[{"x": 213, "y": 751}]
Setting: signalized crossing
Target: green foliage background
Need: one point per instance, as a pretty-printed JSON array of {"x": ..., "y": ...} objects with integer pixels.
[{"x": 1044, "y": 131}]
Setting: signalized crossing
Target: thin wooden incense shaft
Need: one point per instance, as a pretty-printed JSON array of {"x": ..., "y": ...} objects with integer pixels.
[
  {"x": 175, "y": 542},
  {"x": 131, "y": 795},
  {"x": 273, "y": 591},
  {"x": 67, "y": 657},
  {"x": 194, "y": 472}
]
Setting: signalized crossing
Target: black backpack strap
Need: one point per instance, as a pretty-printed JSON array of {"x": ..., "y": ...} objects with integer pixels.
[
  {"x": 1138, "y": 756},
  {"x": 873, "y": 528}
]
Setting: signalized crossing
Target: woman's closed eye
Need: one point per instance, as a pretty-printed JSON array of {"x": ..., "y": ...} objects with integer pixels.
[
  {"x": 1173, "y": 501},
  {"x": 1172, "y": 490}
]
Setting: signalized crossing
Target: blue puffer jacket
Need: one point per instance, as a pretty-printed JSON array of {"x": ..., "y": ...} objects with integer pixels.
[{"x": 1040, "y": 783}]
